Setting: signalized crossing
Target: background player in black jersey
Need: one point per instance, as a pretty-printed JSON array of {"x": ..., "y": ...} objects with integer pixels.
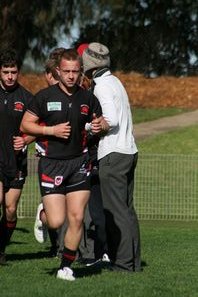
[
  {"x": 13, "y": 103},
  {"x": 64, "y": 108},
  {"x": 7, "y": 154}
]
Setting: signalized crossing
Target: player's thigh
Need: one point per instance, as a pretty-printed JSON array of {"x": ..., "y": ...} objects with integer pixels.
[{"x": 55, "y": 209}]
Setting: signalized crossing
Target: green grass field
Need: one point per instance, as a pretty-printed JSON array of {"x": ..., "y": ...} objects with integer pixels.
[
  {"x": 169, "y": 256},
  {"x": 182, "y": 141},
  {"x": 141, "y": 115},
  {"x": 169, "y": 251}
]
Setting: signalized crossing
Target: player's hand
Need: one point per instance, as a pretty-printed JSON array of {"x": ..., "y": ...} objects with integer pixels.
[
  {"x": 62, "y": 130},
  {"x": 18, "y": 143}
]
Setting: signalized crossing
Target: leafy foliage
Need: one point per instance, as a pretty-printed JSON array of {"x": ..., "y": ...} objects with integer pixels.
[
  {"x": 31, "y": 25},
  {"x": 148, "y": 36}
]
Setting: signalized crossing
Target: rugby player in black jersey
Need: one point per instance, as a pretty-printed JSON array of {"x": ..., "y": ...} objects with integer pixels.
[
  {"x": 13, "y": 103},
  {"x": 64, "y": 109},
  {"x": 41, "y": 230}
]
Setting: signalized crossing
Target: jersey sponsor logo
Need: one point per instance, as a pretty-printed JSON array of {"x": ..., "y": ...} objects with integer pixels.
[
  {"x": 18, "y": 106},
  {"x": 84, "y": 109},
  {"x": 54, "y": 106},
  {"x": 58, "y": 180}
]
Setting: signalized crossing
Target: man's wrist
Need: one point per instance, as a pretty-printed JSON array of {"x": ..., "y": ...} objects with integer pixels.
[{"x": 48, "y": 130}]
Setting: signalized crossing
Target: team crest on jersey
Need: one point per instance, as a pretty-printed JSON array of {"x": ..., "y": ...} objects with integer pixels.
[
  {"x": 58, "y": 180},
  {"x": 84, "y": 109},
  {"x": 18, "y": 106}
]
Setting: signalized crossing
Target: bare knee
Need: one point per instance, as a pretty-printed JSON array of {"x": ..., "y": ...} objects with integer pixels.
[
  {"x": 11, "y": 212},
  {"x": 76, "y": 219},
  {"x": 54, "y": 223},
  {"x": 11, "y": 202}
]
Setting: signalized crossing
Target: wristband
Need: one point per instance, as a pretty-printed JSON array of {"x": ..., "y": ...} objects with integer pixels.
[{"x": 48, "y": 130}]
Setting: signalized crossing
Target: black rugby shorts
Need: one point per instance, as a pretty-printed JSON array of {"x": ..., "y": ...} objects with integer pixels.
[{"x": 63, "y": 176}]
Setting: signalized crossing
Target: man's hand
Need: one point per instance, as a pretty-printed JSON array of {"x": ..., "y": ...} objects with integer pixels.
[
  {"x": 99, "y": 125},
  {"x": 62, "y": 130},
  {"x": 18, "y": 142}
]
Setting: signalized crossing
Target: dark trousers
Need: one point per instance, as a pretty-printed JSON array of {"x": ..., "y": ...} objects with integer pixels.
[
  {"x": 116, "y": 173},
  {"x": 94, "y": 244}
]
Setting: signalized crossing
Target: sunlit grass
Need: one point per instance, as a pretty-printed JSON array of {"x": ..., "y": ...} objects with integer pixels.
[
  {"x": 181, "y": 141},
  {"x": 141, "y": 115},
  {"x": 169, "y": 255}
]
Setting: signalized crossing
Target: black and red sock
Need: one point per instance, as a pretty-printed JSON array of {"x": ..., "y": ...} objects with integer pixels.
[
  {"x": 6, "y": 230},
  {"x": 68, "y": 257}
]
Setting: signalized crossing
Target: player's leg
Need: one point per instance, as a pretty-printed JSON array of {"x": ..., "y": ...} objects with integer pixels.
[
  {"x": 40, "y": 224},
  {"x": 53, "y": 214},
  {"x": 75, "y": 206},
  {"x": 60, "y": 238},
  {"x": 76, "y": 203},
  {"x": 55, "y": 210},
  {"x": 77, "y": 194},
  {"x": 9, "y": 218},
  {"x": 11, "y": 202}
]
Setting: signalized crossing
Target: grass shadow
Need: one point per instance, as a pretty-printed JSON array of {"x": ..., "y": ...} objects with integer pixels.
[
  {"x": 23, "y": 230},
  {"x": 27, "y": 256},
  {"x": 79, "y": 272}
]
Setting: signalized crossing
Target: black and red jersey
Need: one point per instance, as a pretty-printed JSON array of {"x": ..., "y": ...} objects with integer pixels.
[
  {"x": 53, "y": 106},
  {"x": 7, "y": 155},
  {"x": 13, "y": 104}
]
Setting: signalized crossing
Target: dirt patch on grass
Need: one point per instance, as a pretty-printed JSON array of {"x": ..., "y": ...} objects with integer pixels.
[{"x": 143, "y": 92}]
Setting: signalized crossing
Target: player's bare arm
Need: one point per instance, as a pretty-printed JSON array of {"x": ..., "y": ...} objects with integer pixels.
[{"x": 30, "y": 125}]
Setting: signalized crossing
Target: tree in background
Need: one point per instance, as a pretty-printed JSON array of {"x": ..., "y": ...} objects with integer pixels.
[
  {"x": 38, "y": 25},
  {"x": 153, "y": 37},
  {"x": 31, "y": 25}
]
